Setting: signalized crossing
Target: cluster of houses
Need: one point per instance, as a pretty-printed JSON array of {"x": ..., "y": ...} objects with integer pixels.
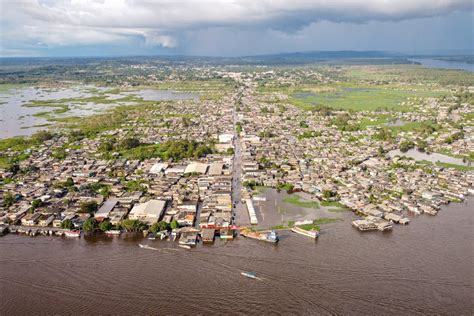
[
  {"x": 195, "y": 192},
  {"x": 282, "y": 144}
]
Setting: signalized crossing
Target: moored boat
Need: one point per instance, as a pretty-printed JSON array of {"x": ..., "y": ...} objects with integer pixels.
[
  {"x": 174, "y": 235},
  {"x": 270, "y": 236},
  {"x": 163, "y": 234},
  {"x": 308, "y": 233},
  {"x": 72, "y": 233},
  {"x": 113, "y": 232}
]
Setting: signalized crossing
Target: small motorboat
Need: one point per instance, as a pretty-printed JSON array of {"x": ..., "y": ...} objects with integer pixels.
[
  {"x": 185, "y": 246},
  {"x": 163, "y": 234},
  {"x": 251, "y": 275},
  {"x": 146, "y": 247},
  {"x": 113, "y": 232},
  {"x": 72, "y": 233}
]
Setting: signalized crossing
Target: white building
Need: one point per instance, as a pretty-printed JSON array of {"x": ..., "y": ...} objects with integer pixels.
[{"x": 149, "y": 212}]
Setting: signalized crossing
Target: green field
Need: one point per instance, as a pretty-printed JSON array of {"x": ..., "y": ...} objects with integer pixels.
[
  {"x": 361, "y": 98},
  {"x": 299, "y": 201},
  {"x": 414, "y": 74}
]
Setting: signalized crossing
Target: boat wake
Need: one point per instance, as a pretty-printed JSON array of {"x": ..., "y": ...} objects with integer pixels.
[{"x": 147, "y": 247}]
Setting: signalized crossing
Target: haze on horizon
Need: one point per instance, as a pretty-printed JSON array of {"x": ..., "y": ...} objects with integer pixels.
[{"x": 232, "y": 28}]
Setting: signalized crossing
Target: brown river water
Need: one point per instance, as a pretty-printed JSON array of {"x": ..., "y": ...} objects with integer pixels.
[{"x": 425, "y": 267}]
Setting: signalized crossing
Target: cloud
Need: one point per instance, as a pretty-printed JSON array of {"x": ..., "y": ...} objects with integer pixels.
[{"x": 163, "y": 22}]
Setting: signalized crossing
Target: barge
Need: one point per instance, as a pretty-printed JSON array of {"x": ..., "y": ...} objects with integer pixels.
[
  {"x": 308, "y": 233},
  {"x": 271, "y": 236}
]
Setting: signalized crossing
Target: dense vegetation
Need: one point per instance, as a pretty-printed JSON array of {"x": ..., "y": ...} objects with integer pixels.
[{"x": 173, "y": 149}]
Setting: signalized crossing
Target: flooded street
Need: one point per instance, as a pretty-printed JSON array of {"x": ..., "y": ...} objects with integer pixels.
[{"x": 425, "y": 267}]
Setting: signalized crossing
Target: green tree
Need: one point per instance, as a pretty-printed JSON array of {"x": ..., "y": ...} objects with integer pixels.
[
  {"x": 132, "y": 225},
  {"x": 162, "y": 225},
  {"x": 174, "y": 224},
  {"x": 159, "y": 226},
  {"x": 107, "y": 145},
  {"x": 380, "y": 151},
  {"x": 14, "y": 168},
  {"x": 129, "y": 143},
  {"x": 42, "y": 136},
  {"x": 422, "y": 145},
  {"x": 327, "y": 194},
  {"x": 67, "y": 224},
  {"x": 238, "y": 127},
  {"x": 105, "y": 226},
  {"x": 406, "y": 146},
  {"x": 105, "y": 191},
  {"x": 89, "y": 207},
  {"x": 69, "y": 182},
  {"x": 90, "y": 225},
  {"x": 36, "y": 203},
  {"x": 384, "y": 134},
  {"x": 8, "y": 199}
]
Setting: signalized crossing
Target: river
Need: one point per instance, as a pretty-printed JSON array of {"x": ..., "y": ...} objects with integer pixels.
[
  {"x": 425, "y": 267},
  {"x": 443, "y": 64}
]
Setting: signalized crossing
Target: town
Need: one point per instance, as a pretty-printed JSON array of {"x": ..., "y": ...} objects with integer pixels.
[{"x": 194, "y": 169}]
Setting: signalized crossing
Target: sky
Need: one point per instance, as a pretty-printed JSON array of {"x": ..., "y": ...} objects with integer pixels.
[{"x": 232, "y": 28}]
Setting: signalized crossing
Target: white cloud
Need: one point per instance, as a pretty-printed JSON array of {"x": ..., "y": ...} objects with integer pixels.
[{"x": 160, "y": 22}]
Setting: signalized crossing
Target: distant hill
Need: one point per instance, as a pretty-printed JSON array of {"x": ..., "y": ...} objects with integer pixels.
[{"x": 293, "y": 58}]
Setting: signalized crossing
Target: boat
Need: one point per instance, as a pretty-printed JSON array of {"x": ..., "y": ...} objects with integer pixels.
[
  {"x": 72, "y": 233},
  {"x": 270, "y": 236},
  {"x": 226, "y": 234},
  {"x": 309, "y": 233},
  {"x": 146, "y": 247},
  {"x": 251, "y": 275},
  {"x": 151, "y": 237},
  {"x": 113, "y": 232},
  {"x": 185, "y": 246},
  {"x": 163, "y": 234}
]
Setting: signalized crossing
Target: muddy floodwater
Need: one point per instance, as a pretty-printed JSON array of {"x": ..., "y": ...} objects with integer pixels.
[{"x": 424, "y": 267}]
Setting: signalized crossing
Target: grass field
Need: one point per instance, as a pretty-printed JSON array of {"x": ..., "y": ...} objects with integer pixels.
[
  {"x": 6, "y": 87},
  {"x": 358, "y": 98},
  {"x": 299, "y": 201},
  {"x": 408, "y": 73}
]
